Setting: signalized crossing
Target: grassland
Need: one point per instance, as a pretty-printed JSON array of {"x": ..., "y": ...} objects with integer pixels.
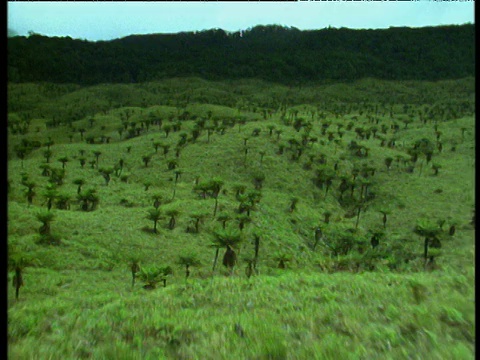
[{"x": 339, "y": 298}]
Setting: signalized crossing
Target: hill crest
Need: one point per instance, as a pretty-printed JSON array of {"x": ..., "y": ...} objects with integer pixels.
[{"x": 273, "y": 53}]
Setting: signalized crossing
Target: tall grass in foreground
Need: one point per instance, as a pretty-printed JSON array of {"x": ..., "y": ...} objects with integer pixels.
[{"x": 286, "y": 316}]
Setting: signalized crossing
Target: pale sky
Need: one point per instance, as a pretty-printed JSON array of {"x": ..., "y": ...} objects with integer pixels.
[{"x": 109, "y": 20}]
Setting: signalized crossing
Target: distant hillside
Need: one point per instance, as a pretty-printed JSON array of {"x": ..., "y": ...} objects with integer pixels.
[{"x": 273, "y": 53}]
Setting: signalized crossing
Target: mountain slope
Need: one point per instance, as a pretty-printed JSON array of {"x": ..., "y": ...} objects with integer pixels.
[
  {"x": 279, "y": 159},
  {"x": 273, "y": 53}
]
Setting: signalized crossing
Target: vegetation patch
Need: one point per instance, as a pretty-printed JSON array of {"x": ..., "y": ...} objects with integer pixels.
[{"x": 195, "y": 219}]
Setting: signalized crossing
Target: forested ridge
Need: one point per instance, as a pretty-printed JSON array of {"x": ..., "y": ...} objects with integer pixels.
[{"x": 273, "y": 53}]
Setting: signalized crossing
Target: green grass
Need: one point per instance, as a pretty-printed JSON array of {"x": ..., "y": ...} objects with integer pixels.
[
  {"x": 77, "y": 300},
  {"x": 293, "y": 315}
]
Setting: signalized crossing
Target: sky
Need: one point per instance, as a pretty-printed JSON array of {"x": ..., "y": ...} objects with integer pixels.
[{"x": 100, "y": 20}]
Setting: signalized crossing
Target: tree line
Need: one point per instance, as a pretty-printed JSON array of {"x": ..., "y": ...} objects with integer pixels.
[{"x": 273, "y": 53}]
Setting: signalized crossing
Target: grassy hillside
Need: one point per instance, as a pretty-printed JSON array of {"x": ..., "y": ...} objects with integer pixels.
[{"x": 320, "y": 200}]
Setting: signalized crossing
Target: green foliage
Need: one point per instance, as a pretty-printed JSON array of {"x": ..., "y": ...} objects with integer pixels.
[
  {"x": 88, "y": 200},
  {"x": 258, "y": 179},
  {"x": 227, "y": 237},
  {"x": 264, "y": 52},
  {"x": 282, "y": 258},
  {"x": 427, "y": 228},
  {"x": 152, "y": 275},
  {"x": 45, "y": 217},
  {"x": 19, "y": 257},
  {"x": 154, "y": 215},
  {"x": 310, "y": 308},
  {"x": 189, "y": 259}
]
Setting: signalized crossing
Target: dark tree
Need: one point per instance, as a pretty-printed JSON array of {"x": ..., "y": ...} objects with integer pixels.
[
  {"x": 256, "y": 241},
  {"x": 50, "y": 194},
  {"x": 293, "y": 204},
  {"x": 228, "y": 239},
  {"x": 282, "y": 259},
  {"x": 188, "y": 260},
  {"x": 97, "y": 155},
  {"x": 88, "y": 200},
  {"x": 384, "y": 219},
  {"x": 63, "y": 160},
  {"x": 223, "y": 218},
  {"x": 258, "y": 179},
  {"x": 318, "y": 236},
  {"x": 146, "y": 159},
  {"x": 388, "y": 162},
  {"x": 45, "y": 231},
  {"x": 47, "y": 155},
  {"x": 18, "y": 260},
  {"x": 106, "y": 172},
  {"x": 134, "y": 265},
  {"x": 157, "y": 200},
  {"x": 327, "y": 215},
  {"x": 452, "y": 230},
  {"x": 154, "y": 215},
  {"x": 215, "y": 186},
  {"x": 172, "y": 213},
  {"x": 436, "y": 168}
]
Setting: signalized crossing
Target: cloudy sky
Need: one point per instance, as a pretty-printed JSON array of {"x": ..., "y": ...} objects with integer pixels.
[{"x": 109, "y": 20}]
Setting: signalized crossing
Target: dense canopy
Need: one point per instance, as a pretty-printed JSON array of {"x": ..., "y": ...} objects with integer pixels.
[{"x": 272, "y": 53}]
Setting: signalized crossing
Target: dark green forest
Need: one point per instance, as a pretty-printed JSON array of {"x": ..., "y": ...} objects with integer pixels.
[{"x": 273, "y": 53}]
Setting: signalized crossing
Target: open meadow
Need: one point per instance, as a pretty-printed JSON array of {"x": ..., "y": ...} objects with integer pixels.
[{"x": 195, "y": 219}]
